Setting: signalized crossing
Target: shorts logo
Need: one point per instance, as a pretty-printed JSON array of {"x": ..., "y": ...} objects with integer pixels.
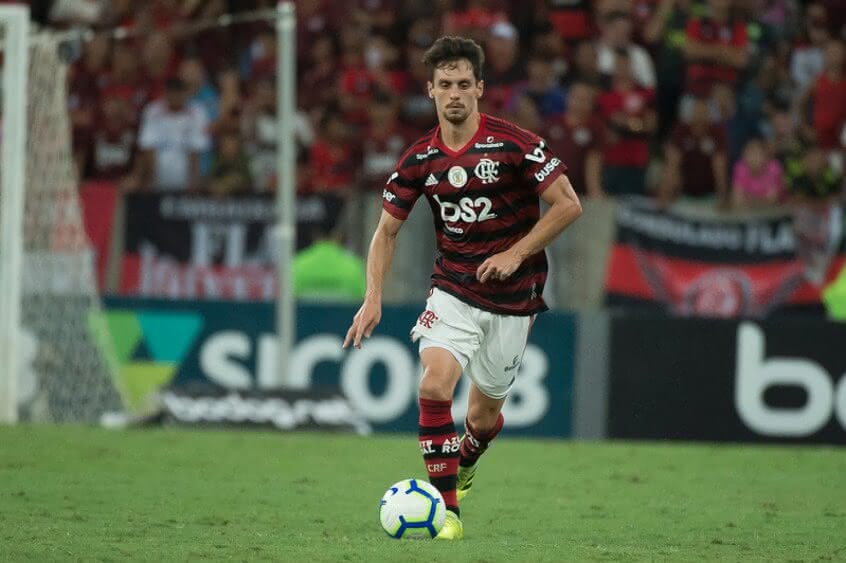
[
  {"x": 515, "y": 363},
  {"x": 487, "y": 171},
  {"x": 457, "y": 176},
  {"x": 427, "y": 318}
]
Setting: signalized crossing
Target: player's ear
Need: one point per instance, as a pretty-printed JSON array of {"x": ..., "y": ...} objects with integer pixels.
[
  {"x": 430, "y": 88},
  {"x": 480, "y": 88}
]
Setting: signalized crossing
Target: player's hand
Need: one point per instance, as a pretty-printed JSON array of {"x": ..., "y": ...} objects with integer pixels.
[
  {"x": 499, "y": 266},
  {"x": 368, "y": 316}
]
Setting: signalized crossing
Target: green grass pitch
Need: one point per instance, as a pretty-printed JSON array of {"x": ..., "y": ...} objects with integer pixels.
[{"x": 85, "y": 494}]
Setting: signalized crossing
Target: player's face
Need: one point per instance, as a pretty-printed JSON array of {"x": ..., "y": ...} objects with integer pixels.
[{"x": 456, "y": 91}]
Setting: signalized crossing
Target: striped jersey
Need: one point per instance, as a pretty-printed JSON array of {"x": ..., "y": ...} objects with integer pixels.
[{"x": 484, "y": 198}]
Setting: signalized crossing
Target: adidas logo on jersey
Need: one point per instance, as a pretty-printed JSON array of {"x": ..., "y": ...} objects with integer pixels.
[{"x": 431, "y": 180}]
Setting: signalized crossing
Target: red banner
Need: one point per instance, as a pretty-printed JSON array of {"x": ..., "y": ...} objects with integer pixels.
[{"x": 719, "y": 266}]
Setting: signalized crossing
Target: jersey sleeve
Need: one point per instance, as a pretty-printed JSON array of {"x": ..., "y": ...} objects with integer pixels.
[
  {"x": 399, "y": 194},
  {"x": 539, "y": 167}
]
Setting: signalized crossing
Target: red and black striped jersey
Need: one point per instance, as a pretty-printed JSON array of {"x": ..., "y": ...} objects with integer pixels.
[{"x": 484, "y": 198}]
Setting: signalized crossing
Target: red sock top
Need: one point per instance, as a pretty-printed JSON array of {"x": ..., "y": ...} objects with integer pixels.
[{"x": 435, "y": 413}]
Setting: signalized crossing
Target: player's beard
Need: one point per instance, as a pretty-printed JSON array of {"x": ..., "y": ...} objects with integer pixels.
[{"x": 456, "y": 116}]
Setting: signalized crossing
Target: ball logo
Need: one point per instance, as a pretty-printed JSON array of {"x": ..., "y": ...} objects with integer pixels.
[
  {"x": 457, "y": 176},
  {"x": 487, "y": 171}
]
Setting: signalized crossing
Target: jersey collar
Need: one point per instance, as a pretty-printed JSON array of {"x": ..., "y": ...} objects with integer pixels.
[{"x": 436, "y": 139}]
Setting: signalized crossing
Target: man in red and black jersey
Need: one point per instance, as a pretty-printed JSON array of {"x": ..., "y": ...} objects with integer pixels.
[{"x": 483, "y": 178}]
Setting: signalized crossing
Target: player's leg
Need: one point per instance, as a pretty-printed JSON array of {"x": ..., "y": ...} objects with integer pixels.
[
  {"x": 449, "y": 335},
  {"x": 493, "y": 372},
  {"x": 483, "y": 422},
  {"x": 437, "y": 434}
]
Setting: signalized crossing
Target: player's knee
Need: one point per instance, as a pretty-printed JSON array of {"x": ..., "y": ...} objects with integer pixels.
[{"x": 436, "y": 386}]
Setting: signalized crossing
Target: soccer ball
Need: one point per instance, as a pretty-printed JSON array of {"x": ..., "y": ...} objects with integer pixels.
[{"x": 412, "y": 508}]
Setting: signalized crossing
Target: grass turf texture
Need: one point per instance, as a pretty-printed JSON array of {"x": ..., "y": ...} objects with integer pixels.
[{"x": 72, "y": 493}]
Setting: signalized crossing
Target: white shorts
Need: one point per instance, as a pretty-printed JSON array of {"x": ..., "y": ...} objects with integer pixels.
[{"x": 488, "y": 346}]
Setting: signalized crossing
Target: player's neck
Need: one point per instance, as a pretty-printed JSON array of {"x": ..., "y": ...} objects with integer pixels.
[{"x": 455, "y": 136}]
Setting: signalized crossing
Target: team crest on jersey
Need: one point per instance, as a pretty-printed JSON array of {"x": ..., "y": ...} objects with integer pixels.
[
  {"x": 457, "y": 176},
  {"x": 487, "y": 171}
]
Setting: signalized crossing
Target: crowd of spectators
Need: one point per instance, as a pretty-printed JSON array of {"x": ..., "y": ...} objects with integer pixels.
[{"x": 742, "y": 102}]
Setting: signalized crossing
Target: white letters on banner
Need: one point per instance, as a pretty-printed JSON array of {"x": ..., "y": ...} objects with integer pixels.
[
  {"x": 755, "y": 373},
  {"x": 224, "y": 355}
]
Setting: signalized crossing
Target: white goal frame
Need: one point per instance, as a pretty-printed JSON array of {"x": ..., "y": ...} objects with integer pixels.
[{"x": 15, "y": 24}]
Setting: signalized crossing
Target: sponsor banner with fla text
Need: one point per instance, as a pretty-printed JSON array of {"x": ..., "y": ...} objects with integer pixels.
[
  {"x": 718, "y": 265},
  {"x": 184, "y": 246}
]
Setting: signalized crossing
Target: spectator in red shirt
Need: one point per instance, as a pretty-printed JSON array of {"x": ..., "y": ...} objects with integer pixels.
[
  {"x": 503, "y": 67},
  {"x": 160, "y": 62},
  {"x": 716, "y": 49},
  {"x": 571, "y": 18},
  {"x": 313, "y": 21},
  {"x": 629, "y": 113},
  {"x": 377, "y": 15},
  {"x": 696, "y": 164},
  {"x": 384, "y": 142},
  {"x": 113, "y": 143},
  {"x": 333, "y": 157},
  {"x": 474, "y": 19},
  {"x": 829, "y": 97},
  {"x": 418, "y": 112},
  {"x": 318, "y": 86},
  {"x": 126, "y": 72},
  {"x": 367, "y": 66},
  {"x": 85, "y": 80},
  {"x": 578, "y": 138}
]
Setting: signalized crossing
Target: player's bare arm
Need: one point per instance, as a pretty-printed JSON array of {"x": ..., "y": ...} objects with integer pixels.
[
  {"x": 564, "y": 208},
  {"x": 379, "y": 258}
]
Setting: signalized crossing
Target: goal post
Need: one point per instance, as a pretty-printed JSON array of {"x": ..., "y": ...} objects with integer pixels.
[
  {"x": 56, "y": 360},
  {"x": 14, "y": 26}
]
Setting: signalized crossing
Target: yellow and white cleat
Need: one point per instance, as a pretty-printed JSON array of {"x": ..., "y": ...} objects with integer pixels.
[
  {"x": 465, "y": 481},
  {"x": 453, "y": 529}
]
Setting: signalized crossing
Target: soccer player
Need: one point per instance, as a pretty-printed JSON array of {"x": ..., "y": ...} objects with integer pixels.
[{"x": 482, "y": 177}]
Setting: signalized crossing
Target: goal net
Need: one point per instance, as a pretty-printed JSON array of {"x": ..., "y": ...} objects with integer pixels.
[{"x": 58, "y": 367}]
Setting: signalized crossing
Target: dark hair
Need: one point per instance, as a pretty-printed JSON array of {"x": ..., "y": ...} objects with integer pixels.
[{"x": 448, "y": 50}]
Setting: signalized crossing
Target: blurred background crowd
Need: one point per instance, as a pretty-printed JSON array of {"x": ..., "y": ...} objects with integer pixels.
[
  {"x": 742, "y": 102},
  {"x": 723, "y": 105}
]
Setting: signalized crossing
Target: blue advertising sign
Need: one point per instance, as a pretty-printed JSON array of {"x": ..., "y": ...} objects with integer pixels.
[{"x": 233, "y": 344}]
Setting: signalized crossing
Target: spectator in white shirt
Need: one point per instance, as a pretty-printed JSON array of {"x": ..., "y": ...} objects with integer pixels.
[
  {"x": 174, "y": 133},
  {"x": 615, "y": 34}
]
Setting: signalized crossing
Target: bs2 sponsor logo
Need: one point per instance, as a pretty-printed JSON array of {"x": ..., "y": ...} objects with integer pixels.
[
  {"x": 467, "y": 209},
  {"x": 755, "y": 373}
]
